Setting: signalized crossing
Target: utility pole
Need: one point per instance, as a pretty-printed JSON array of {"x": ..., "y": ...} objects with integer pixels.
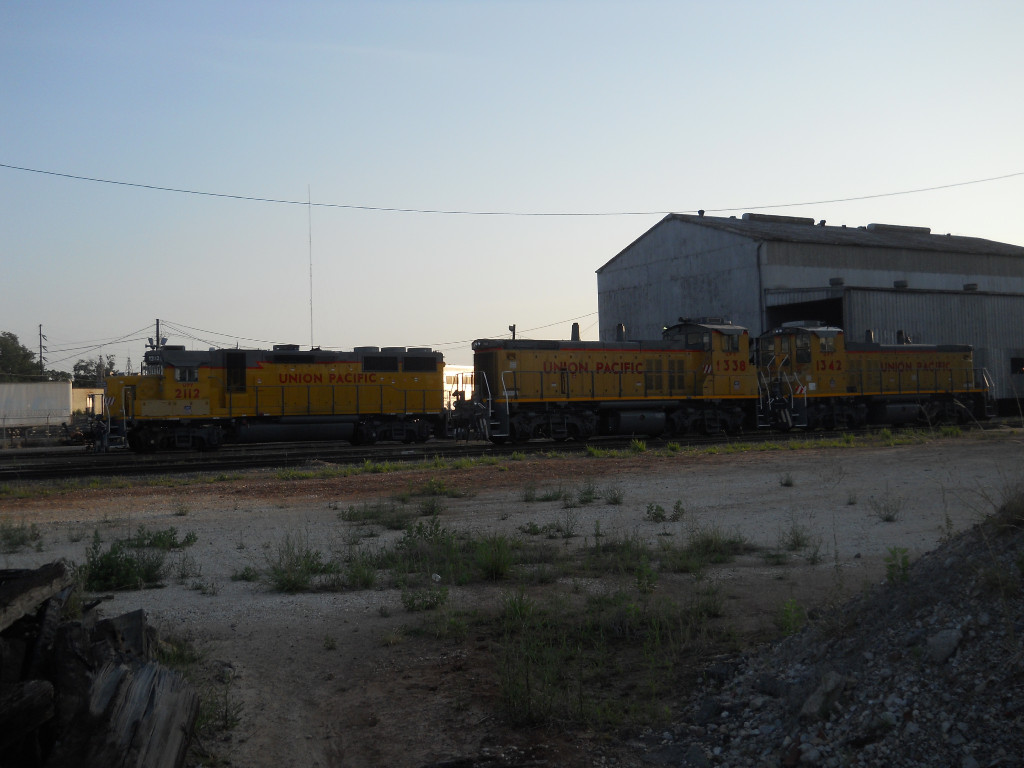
[{"x": 42, "y": 360}]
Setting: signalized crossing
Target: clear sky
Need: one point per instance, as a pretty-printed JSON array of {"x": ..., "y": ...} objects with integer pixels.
[{"x": 549, "y": 107}]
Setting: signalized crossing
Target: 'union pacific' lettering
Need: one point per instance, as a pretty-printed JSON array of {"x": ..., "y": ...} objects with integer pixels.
[
  {"x": 620, "y": 367},
  {"x": 571, "y": 367},
  {"x": 599, "y": 367},
  {"x": 300, "y": 378},
  {"x": 920, "y": 366},
  {"x": 334, "y": 378},
  {"x": 353, "y": 378}
]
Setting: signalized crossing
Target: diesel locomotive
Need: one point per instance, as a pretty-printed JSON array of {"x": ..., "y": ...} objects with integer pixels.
[
  {"x": 705, "y": 375},
  {"x": 201, "y": 399},
  {"x": 698, "y": 377}
]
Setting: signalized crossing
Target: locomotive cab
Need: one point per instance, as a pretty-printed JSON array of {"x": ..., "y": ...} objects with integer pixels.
[
  {"x": 803, "y": 375},
  {"x": 808, "y": 358},
  {"x": 723, "y": 369}
]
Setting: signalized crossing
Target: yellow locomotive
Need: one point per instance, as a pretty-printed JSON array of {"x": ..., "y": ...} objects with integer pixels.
[
  {"x": 811, "y": 376},
  {"x": 702, "y": 376},
  {"x": 698, "y": 377},
  {"x": 201, "y": 399}
]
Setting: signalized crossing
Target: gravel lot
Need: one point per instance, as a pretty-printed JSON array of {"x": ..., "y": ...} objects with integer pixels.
[{"x": 333, "y": 679}]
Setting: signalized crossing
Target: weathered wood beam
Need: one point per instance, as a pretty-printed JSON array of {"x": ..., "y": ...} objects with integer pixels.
[{"x": 22, "y": 592}]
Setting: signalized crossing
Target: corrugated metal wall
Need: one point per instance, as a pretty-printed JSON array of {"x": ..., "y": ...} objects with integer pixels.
[{"x": 678, "y": 270}]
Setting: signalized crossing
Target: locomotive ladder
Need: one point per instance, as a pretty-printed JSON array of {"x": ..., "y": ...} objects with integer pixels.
[{"x": 781, "y": 400}]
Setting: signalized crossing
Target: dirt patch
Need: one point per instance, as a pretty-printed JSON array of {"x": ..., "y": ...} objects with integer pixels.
[{"x": 337, "y": 679}]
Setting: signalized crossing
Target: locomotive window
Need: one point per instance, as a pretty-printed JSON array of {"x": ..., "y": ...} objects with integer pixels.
[
  {"x": 186, "y": 374},
  {"x": 699, "y": 340},
  {"x": 380, "y": 364},
  {"x": 803, "y": 348},
  {"x": 730, "y": 343},
  {"x": 420, "y": 364},
  {"x": 235, "y": 375},
  {"x": 828, "y": 343}
]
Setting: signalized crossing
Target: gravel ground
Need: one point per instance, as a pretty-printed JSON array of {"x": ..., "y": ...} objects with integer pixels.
[{"x": 335, "y": 679}]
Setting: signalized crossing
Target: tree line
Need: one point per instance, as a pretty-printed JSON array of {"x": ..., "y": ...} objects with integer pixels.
[{"x": 18, "y": 363}]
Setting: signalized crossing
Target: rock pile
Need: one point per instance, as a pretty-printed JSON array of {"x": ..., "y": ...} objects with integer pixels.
[{"x": 926, "y": 669}]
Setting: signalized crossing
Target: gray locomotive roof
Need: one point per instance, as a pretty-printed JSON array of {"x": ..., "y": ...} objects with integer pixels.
[
  {"x": 802, "y": 230},
  {"x": 817, "y": 330},
  {"x": 719, "y": 324},
  {"x": 177, "y": 356}
]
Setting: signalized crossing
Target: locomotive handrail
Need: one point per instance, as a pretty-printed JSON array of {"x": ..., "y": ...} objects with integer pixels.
[{"x": 989, "y": 384}]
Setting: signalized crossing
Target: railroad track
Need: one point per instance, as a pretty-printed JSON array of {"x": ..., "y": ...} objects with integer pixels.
[
  {"x": 22, "y": 466},
  {"x": 67, "y": 463}
]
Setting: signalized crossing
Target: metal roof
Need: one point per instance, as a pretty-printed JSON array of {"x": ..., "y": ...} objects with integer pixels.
[{"x": 791, "y": 229}]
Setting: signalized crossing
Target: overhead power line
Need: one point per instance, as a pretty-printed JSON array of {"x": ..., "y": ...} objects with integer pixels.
[{"x": 385, "y": 209}]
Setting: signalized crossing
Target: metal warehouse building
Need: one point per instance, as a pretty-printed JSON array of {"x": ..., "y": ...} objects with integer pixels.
[{"x": 883, "y": 282}]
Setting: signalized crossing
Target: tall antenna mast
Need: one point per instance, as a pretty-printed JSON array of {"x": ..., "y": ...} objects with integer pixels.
[{"x": 309, "y": 211}]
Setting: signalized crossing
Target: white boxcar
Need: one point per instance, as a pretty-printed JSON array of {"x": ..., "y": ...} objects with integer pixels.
[{"x": 31, "y": 406}]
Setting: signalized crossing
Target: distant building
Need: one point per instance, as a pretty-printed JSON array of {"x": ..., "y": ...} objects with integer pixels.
[{"x": 885, "y": 282}]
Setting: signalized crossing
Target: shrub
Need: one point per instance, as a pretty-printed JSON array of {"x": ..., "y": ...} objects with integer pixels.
[
  {"x": 714, "y": 545},
  {"x": 166, "y": 539},
  {"x": 587, "y": 493},
  {"x": 1011, "y": 511},
  {"x": 613, "y": 495},
  {"x": 295, "y": 564},
  {"x": 655, "y": 513},
  {"x": 888, "y": 509},
  {"x": 361, "y": 571},
  {"x": 494, "y": 557},
  {"x": 427, "y": 599},
  {"x": 15, "y": 537},
  {"x": 792, "y": 617},
  {"x": 121, "y": 566},
  {"x": 897, "y": 565},
  {"x": 430, "y": 507}
]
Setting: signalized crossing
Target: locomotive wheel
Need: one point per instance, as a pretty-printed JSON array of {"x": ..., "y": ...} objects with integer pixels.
[
  {"x": 518, "y": 434},
  {"x": 141, "y": 441},
  {"x": 364, "y": 435}
]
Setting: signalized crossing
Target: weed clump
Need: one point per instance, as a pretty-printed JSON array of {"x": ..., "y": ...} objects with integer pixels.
[
  {"x": 122, "y": 566},
  {"x": 295, "y": 565},
  {"x": 14, "y": 538}
]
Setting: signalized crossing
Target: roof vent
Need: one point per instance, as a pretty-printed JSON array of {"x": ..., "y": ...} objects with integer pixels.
[
  {"x": 767, "y": 218},
  {"x": 970, "y": 286},
  {"x": 899, "y": 228},
  {"x": 899, "y": 283},
  {"x": 834, "y": 281}
]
